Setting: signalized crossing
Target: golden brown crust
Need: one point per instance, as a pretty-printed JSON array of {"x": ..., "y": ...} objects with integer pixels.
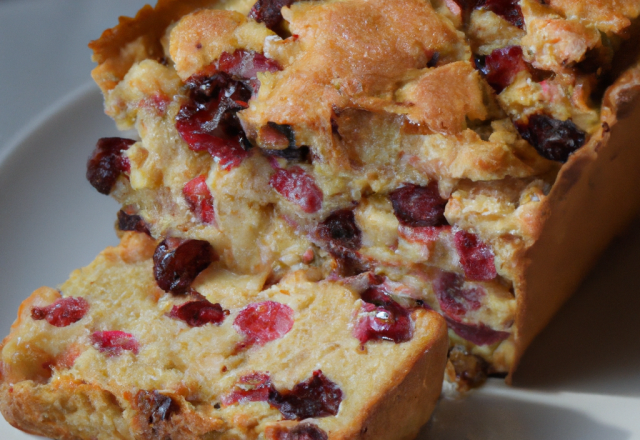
[
  {"x": 137, "y": 38},
  {"x": 594, "y": 197},
  {"x": 609, "y": 15},
  {"x": 444, "y": 98},
  {"x": 395, "y": 415},
  {"x": 43, "y": 409}
]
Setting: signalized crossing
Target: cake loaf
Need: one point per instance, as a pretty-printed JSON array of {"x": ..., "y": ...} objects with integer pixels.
[{"x": 466, "y": 155}]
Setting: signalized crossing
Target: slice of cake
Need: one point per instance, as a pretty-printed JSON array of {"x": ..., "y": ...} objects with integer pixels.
[
  {"x": 467, "y": 154},
  {"x": 113, "y": 356}
]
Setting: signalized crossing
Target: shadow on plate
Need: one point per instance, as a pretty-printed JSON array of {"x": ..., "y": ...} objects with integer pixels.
[
  {"x": 592, "y": 345},
  {"x": 481, "y": 417}
]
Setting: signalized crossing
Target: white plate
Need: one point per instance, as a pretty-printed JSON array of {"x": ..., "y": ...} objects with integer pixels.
[{"x": 579, "y": 381}]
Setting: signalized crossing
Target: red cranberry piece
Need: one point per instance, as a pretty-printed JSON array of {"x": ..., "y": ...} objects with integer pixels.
[
  {"x": 340, "y": 231},
  {"x": 315, "y": 397},
  {"x": 424, "y": 235},
  {"x": 478, "y": 334},
  {"x": 476, "y": 257},
  {"x": 199, "y": 198},
  {"x": 63, "y": 312},
  {"x": 246, "y": 64},
  {"x": 228, "y": 152},
  {"x": 298, "y": 187},
  {"x": 269, "y": 11},
  {"x": 209, "y": 121},
  {"x": 107, "y": 163},
  {"x": 341, "y": 237},
  {"x": 114, "y": 342},
  {"x": 155, "y": 406},
  {"x": 501, "y": 66},
  {"x": 176, "y": 263},
  {"x": 419, "y": 206},
  {"x": 204, "y": 87},
  {"x": 199, "y": 313},
  {"x": 285, "y": 130},
  {"x": 302, "y": 431},
  {"x": 253, "y": 387},
  {"x": 263, "y": 322},
  {"x": 218, "y": 134},
  {"x": 128, "y": 221},
  {"x": 382, "y": 318},
  {"x": 507, "y": 9},
  {"x": 455, "y": 301},
  {"x": 553, "y": 139}
]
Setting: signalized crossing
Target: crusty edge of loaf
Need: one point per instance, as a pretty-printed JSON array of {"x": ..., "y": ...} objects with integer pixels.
[
  {"x": 31, "y": 407},
  {"x": 594, "y": 197},
  {"x": 111, "y": 52},
  {"x": 409, "y": 402}
]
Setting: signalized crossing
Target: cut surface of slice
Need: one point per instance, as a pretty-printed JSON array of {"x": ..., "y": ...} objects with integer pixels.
[{"x": 226, "y": 360}]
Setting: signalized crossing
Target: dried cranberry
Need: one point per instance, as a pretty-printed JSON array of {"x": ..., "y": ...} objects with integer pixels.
[
  {"x": 156, "y": 407},
  {"x": 298, "y": 187},
  {"x": 199, "y": 313},
  {"x": 380, "y": 317},
  {"x": 176, "y": 263},
  {"x": 341, "y": 237},
  {"x": 501, "y": 66},
  {"x": 418, "y": 206},
  {"x": 507, "y": 9},
  {"x": 253, "y": 387},
  {"x": 340, "y": 231},
  {"x": 552, "y": 138},
  {"x": 114, "y": 342},
  {"x": 302, "y": 431},
  {"x": 199, "y": 198},
  {"x": 269, "y": 11},
  {"x": 476, "y": 257},
  {"x": 206, "y": 86},
  {"x": 107, "y": 163},
  {"x": 216, "y": 130},
  {"x": 376, "y": 295},
  {"x": 263, "y": 322},
  {"x": 128, "y": 221},
  {"x": 478, "y": 334},
  {"x": 245, "y": 64},
  {"x": 315, "y": 397},
  {"x": 63, "y": 312},
  {"x": 208, "y": 122},
  {"x": 455, "y": 301}
]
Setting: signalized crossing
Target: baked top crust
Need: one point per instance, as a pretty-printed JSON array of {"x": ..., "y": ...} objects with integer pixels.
[
  {"x": 68, "y": 376},
  {"x": 357, "y": 108}
]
